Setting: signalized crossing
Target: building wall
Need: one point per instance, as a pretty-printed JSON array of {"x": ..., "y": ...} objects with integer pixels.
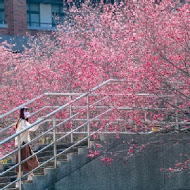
[
  {"x": 34, "y": 32},
  {"x": 16, "y": 18},
  {"x": 15, "y": 12},
  {"x": 3, "y": 30}
]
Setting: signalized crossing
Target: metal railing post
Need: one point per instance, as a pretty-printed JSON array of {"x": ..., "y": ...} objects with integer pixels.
[
  {"x": 54, "y": 141},
  {"x": 145, "y": 119},
  {"x": 176, "y": 114},
  {"x": 70, "y": 114},
  {"x": 134, "y": 106},
  {"x": 88, "y": 119},
  {"x": 19, "y": 160}
]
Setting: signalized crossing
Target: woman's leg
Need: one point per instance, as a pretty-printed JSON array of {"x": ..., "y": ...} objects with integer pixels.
[
  {"x": 17, "y": 183},
  {"x": 18, "y": 174}
]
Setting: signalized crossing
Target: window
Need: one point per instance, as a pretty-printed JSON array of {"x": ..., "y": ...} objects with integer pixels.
[
  {"x": 2, "y": 12},
  {"x": 44, "y": 14},
  {"x": 57, "y": 14},
  {"x": 33, "y": 14}
]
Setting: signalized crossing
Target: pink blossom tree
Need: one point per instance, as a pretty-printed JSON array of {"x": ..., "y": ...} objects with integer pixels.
[{"x": 143, "y": 42}]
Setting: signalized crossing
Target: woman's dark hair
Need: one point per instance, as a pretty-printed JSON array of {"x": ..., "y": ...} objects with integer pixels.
[{"x": 21, "y": 116}]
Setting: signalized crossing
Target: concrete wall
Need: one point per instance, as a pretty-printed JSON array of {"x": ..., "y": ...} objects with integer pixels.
[
  {"x": 3, "y": 29},
  {"x": 142, "y": 172}
]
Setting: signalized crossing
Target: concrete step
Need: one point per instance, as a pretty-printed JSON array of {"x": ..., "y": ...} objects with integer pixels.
[
  {"x": 60, "y": 146},
  {"x": 12, "y": 173},
  {"x": 6, "y": 166},
  {"x": 45, "y": 158},
  {"x": 42, "y": 156},
  {"x": 45, "y": 153},
  {"x": 9, "y": 173},
  {"x": 7, "y": 179},
  {"x": 4, "y": 184},
  {"x": 39, "y": 170},
  {"x": 49, "y": 164},
  {"x": 10, "y": 179},
  {"x": 50, "y": 152},
  {"x": 71, "y": 155},
  {"x": 38, "y": 174}
]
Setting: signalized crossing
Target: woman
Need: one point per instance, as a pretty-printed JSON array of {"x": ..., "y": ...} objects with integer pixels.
[{"x": 32, "y": 163}]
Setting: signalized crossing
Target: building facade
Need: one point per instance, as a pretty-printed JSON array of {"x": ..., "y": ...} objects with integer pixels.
[{"x": 19, "y": 17}]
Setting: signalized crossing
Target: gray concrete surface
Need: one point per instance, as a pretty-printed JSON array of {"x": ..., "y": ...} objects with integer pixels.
[
  {"x": 139, "y": 172},
  {"x": 142, "y": 172}
]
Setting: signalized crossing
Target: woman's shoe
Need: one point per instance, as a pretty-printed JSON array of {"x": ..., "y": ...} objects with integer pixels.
[
  {"x": 29, "y": 177},
  {"x": 17, "y": 184}
]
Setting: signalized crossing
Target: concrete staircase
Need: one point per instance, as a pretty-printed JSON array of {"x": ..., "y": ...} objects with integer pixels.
[
  {"x": 76, "y": 171},
  {"x": 73, "y": 161},
  {"x": 42, "y": 171},
  {"x": 47, "y": 176}
]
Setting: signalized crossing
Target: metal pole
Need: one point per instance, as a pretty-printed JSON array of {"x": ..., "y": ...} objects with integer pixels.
[
  {"x": 176, "y": 114},
  {"x": 88, "y": 119},
  {"x": 145, "y": 119},
  {"x": 19, "y": 160},
  {"x": 54, "y": 141},
  {"x": 70, "y": 114},
  {"x": 134, "y": 106}
]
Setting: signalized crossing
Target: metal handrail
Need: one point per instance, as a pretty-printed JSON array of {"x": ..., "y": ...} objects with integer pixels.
[
  {"x": 69, "y": 94},
  {"x": 65, "y": 120},
  {"x": 45, "y": 119},
  {"x": 59, "y": 94},
  {"x": 53, "y": 128},
  {"x": 51, "y": 145},
  {"x": 38, "y": 97},
  {"x": 119, "y": 108},
  {"x": 52, "y": 158},
  {"x": 57, "y": 110},
  {"x": 52, "y": 142}
]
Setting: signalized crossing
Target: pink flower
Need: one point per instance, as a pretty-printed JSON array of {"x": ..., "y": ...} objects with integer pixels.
[
  {"x": 93, "y": 153},
  {"x": 117, "y": 136},
  {"x": 171, "y": 170},
  {"x": 98, "y": 145}
]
